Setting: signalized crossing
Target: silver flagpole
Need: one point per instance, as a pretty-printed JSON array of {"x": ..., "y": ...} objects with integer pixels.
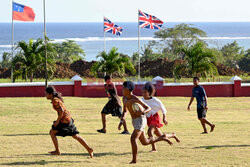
[
  {"x": 12, "y": 46},
  {"x": 139, "y": 63},
  {"x": 104, "y": 34},
  {"x": 45, "y": 42}
]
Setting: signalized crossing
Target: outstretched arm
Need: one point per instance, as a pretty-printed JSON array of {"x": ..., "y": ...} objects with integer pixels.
[
  {"x": 163, "y": 110},
  {"x": 191, "y": 101},
  {"x": 124, "y": 113}
]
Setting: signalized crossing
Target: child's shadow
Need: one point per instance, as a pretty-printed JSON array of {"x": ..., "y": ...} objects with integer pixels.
[
  {"x": 28, "y": 134},
  {"x": 42, "y": 162},
  {"x": 85, "y": 154},
  {"x": 96, "y": 154}
]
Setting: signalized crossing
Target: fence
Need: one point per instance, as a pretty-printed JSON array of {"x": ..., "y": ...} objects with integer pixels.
[{"x": 234, "y": 88}]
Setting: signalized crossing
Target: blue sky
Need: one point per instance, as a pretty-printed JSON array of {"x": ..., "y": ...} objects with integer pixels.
[{"x": 126, "y": 10}]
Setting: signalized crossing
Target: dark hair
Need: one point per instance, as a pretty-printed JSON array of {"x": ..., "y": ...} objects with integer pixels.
[
  {"x": 52, "y": 90},
  {"x": 196, "y": 78},
  {"x": 150, "y": 88},
  {"x": 107, "y": 77},
  {"x": 129, "y": 85}
]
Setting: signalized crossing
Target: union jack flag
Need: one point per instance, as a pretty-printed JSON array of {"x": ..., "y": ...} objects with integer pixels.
[
  {"x": 149, "y": 21},
  {"x": 111, "y": 27}
]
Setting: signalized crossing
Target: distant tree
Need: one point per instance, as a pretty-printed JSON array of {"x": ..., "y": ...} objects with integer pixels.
[
  {"x": 181, "y": 35},
  {"x": 30, "y": 58},
  {"x": 135, "y": 58},
  {"x": 148, "y": 53},
  {"x": 198, "y": 61},
  {"x": 51, "y": 58},
  {"x": 112, "y": 62},
  {"x": 69, "y": 51},
  {"x": 244, "y": 62},
  {"x": 232, "y": 53},
  {"x": 6, "y": 60}
]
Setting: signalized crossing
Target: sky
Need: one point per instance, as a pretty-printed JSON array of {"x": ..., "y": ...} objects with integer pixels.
[{"x": 126, "y": 10}]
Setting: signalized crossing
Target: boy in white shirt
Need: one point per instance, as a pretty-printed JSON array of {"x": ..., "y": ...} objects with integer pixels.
[{"x": 153, "y": 118}]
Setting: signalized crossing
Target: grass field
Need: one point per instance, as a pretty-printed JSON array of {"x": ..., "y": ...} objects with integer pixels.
[
  {"x": 25, "y": 123},
  {"x": 167, "y": 80}
]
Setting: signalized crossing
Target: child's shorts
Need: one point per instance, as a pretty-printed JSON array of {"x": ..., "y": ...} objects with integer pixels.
[
  {"x": 114, "y": 111},
  {"x": 201, "y": 112},
  {"x": 66, "y": 129},
  {"x": 140, "y": 123},
  {"x": 154, "y": 120}
]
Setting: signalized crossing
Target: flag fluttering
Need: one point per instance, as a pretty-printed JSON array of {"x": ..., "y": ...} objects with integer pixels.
[
  {"x": 149, "y": 21},
  {"x": 22, "y": 12},
  {"x": 111, "y": 27}
]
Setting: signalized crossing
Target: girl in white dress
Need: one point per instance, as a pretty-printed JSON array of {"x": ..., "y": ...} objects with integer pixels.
[{"x": 153, "y": 118}]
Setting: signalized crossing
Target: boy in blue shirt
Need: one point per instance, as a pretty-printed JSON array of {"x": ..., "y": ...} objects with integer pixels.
[{"x": 199, "y": 93}]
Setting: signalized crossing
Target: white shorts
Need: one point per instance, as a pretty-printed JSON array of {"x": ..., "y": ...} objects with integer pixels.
[{"x": 140, "y": 123}]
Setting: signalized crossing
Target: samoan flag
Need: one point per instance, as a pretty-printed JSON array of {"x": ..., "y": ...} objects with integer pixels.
[
  {"x": 111, "y": 27},
  {"x": 23, "y": 13},
  {"x": 149, "y": 21}
]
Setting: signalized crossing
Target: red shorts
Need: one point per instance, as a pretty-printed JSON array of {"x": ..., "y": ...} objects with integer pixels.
[{"x": 154, "y": 120}]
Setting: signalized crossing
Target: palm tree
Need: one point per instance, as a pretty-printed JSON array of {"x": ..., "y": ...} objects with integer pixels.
[
  {"x": 29, "y": 58},
  {"x": 112, "y": 62},
  {"x": 198, "y": 61},
  {"x": 6, "y": 60}
]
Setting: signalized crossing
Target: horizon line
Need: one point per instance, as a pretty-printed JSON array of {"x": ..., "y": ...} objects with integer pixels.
[{"x": 133, "y": 22}]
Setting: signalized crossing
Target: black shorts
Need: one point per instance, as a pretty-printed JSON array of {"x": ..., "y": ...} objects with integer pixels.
[
  {"x": 114, "y": 111},
  {"x": 66, "y": 129},
  {"x": 201, "y": 112}
]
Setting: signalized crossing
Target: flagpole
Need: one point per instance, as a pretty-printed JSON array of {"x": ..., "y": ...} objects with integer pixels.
[
  {"x": 12, "y": 46},
  {"x": 104, "y": 34},
  {"x": 139, "y": 63},
  {"x": 45, "y": 42}
]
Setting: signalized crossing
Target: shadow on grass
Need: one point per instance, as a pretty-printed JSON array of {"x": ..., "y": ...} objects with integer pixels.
[
  {"x": 221, "y": 146},
  {"x": 96, "y": 154},
  {"x": 29, "y": 134},
  {"x": 42, "y": 162},
  {"x": 40, "y": 134},
  {"x": 84, "y": 154},
  {"x": 110, "y": 133},
  {"x": 89, "y": 133}
]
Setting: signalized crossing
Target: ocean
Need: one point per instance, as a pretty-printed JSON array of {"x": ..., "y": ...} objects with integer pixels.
[{"x": 90, "y": 35}]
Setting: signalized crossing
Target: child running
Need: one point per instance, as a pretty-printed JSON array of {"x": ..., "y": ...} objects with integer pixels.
[
  {"x": 153, "y": 118},
  {"x": 113, "y": 106},
  {"x": 139, "y": 120},
  {"x": 64, "y": 125}
]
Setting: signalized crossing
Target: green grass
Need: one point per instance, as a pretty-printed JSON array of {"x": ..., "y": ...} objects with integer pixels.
[
  {"x": 167, "y": 80},
  {"x": 25, "y": 123}
]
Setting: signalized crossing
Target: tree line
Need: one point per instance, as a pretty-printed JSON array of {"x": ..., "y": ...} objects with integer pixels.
[
  {"x": 184, "y": 41},
  {"x": 30, "y": 57}
]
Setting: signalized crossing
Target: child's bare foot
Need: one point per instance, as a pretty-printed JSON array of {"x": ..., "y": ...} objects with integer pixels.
[
  {"x": 55, "y": 153},
  {"x": 204, "y": 133},
  {"x": 165, "y": 138},
  {"x": 91, "y": 153},
  {"x": 212, "y": 128},
  {"x": 176, "y": 138},
  {"x": 153, "y": 151},
  {"x": 132, "y": 162}
]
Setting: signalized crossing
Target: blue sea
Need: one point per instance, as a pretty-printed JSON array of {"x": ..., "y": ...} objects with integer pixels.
[{"x": 90, "y": 35}]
